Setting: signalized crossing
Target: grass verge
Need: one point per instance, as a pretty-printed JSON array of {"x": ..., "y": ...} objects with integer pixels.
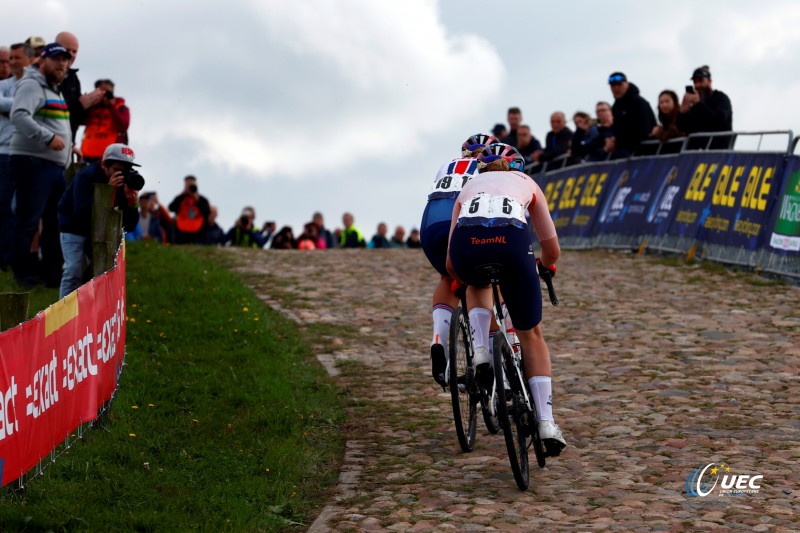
[{"x": 223, "y": 421}]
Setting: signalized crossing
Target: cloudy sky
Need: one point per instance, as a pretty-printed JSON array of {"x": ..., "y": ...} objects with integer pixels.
[{"x": 352, "y": 105}]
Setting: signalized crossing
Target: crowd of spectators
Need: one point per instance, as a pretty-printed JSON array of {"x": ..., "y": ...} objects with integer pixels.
[
  {"x": 618, "y": 130},
  {"x": 45, "y": 180},
  {"x": 46, "y": 177}
]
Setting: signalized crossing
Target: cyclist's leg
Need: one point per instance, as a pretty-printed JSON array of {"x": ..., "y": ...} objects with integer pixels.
[
  {"x": 443, "y": 303},
  {"x": 524, "y": 301},
  {"x": 433, "y": 237}
]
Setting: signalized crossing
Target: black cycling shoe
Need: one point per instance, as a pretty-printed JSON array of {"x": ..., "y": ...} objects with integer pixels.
[
  {"x": 485, "y": 376},
  {"x": 439, "y": 365}
]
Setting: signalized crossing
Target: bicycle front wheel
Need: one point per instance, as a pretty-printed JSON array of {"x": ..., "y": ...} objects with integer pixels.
[
  {"x": 509, "y": 412},
  {"x": 462, "y": 380}
]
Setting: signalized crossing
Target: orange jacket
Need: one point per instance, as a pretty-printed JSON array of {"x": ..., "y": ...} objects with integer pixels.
[{"x": 105, "y": 125}]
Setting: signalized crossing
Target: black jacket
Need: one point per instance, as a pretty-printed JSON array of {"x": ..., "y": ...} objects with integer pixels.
[
  {"x": 75, "y": 206},
  {"x": 713, "y": 113},
  {"x": 71, "y": 90},
  {"x": 633, "y": 120},
  {"x": 556, "y": 144}
]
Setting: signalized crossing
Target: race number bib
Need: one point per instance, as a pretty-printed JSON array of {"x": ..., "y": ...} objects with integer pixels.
[
  {"x": 487, "y": 210},
  {"x": 452, "y": 177}
]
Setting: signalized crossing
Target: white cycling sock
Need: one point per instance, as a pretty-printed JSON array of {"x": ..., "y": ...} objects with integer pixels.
[
  {"x": 479, "y": 319},
  {"x": 441, "y": 324},
  {"x": 542, "y": 390}
]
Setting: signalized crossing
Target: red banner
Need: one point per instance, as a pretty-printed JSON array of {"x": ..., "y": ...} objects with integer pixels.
[{"x": 57, "y": 370}]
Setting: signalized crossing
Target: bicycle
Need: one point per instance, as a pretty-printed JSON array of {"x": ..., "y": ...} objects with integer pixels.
[
  {"x": 465, "y": 391},
  {"x": 516, "y": 409}
]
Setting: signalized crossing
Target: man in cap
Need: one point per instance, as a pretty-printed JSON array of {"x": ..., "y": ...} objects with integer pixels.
[
  {"x": 37, "y": 43},
  {"x": 633, "y": 117},
  {"x": 706, "y": 110},
  {"x": 75, "y": 209},
  {"x": 40, "y": 150}
]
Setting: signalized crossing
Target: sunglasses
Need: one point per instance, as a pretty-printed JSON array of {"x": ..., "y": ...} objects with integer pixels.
[{"x": 617, "y": 78}]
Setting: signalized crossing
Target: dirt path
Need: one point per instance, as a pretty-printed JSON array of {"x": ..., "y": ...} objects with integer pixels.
[{"x": 659, "y": 370}]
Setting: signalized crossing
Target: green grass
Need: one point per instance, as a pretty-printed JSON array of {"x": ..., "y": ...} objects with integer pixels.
[{"x": 235, "y": 422}]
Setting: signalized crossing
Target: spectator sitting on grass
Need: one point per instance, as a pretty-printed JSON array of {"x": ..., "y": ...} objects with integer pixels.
[{"x": 379, "y": 240}]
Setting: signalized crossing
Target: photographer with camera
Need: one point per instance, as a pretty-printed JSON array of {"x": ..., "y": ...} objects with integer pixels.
[
  {"x": 191, "y": 214},
  {"x": 75, "y": 208},
  {"x": 106, "y": 122},
  {"x": 244, "y": 232}
]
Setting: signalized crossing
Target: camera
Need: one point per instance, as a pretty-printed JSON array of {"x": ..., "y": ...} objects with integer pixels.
[
  {"x": 690, "y": 89},
  {"x": 109, "y": 95},
  {"x": 133, "y": 179},
  {"x": 192, "y": 189},
  {"x": 244, "y": 220}
]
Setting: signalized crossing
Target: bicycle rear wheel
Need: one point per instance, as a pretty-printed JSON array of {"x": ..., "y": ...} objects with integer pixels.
[
  {"x": 462, "y": 380},
  {"x": 510, "y": 409}
]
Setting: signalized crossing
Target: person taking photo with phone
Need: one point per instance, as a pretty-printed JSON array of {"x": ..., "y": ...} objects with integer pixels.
[{"x": 704, "y": 109}]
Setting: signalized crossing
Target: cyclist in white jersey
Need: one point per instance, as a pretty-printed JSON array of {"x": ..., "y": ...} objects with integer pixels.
[{"x": 488, "y": 225}]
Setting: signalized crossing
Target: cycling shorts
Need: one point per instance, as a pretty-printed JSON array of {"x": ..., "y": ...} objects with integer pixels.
[
  {"x": 474, "y": 246},
  {"x": 435, "y": 232}
]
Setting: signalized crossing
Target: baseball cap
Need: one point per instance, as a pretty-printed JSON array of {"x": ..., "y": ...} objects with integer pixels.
[
  {"x": 35, "y": 41},
  {"x": 701, "y": 73},
  {"x": 55, "y": 50},
  {"x": 119, "y": 152},
  {"x": 617, "y": 77}
]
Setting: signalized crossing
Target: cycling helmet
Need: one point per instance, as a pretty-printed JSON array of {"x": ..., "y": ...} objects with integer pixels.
[
  {"x": 502, "y": 151},
  {"x": 476, "y": 141}
]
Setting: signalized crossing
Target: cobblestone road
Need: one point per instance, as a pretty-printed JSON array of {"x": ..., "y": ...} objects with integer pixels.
[{"x": 659, "y": 370}]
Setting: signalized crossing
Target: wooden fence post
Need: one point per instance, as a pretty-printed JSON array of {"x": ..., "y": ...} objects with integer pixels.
[
  {"x": 106, "y": 228},
  {"x": 13, "y": 309}
]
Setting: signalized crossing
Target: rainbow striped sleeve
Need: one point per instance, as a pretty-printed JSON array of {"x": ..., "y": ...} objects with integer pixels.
[{"x": 55, "y": 109}]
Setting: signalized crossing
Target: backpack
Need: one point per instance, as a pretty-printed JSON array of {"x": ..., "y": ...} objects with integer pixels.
[{"x": 189, "y": 219}]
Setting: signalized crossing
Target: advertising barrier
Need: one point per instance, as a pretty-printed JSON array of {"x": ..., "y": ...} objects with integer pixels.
[
  {"x": 58, "y": 369},
  {"x": 734, "y": 204},
  {"x": 784, "y": 225}
]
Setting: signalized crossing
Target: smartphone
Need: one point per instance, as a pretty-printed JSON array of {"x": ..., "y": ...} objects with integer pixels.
[{"x": 690, "y": 89}]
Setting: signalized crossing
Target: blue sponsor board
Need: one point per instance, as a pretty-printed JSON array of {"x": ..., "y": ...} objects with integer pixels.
[
  {"x": 641, "y": 201},
  {"x": 575, "y": 195},
  {"x": 727, "y": 197}
]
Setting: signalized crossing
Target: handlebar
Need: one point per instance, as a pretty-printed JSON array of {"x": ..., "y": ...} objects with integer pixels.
[{"x": 551, "y": 291}]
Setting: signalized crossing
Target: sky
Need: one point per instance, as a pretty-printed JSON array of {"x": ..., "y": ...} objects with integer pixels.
[{"x": 353, "y": 105}]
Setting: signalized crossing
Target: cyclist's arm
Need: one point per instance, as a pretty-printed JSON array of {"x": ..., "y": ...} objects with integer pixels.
[{"x": 544, "y": 228}]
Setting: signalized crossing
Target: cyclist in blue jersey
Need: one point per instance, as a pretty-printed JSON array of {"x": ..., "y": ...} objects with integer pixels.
[
  {"x": 490, "y": 225},
  {"x": 434, "y": 234}
]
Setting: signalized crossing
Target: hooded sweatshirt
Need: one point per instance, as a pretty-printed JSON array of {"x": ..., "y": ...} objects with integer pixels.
[
  {"x": 39, "y": 114},
  {"x": 633, "y": 119}
]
